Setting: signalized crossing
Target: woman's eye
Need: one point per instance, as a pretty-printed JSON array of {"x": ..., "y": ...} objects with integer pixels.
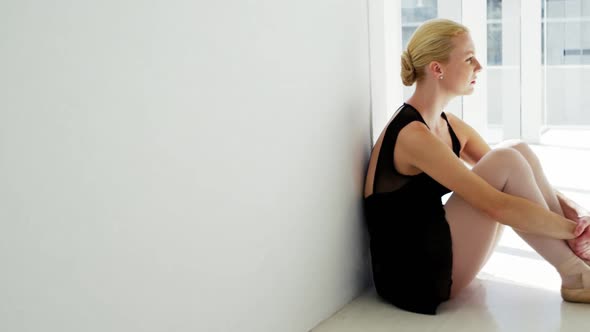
[{"x": 470, "y": 59}]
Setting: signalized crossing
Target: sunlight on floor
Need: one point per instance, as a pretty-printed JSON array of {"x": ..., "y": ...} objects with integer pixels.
[{"x": 514, "y": 261}]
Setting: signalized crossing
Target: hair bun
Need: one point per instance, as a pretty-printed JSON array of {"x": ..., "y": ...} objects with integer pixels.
[{"x": 408, "y": 72}]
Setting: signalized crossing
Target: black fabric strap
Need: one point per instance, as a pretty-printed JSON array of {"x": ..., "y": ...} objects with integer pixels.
[{"x": 454, "y": 138}]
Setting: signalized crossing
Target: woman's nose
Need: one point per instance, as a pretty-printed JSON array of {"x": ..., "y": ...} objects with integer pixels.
[{"x": 478, "y": 66}]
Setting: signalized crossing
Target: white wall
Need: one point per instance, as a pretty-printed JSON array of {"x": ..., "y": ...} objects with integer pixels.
[{"x": 181, "y": 165}]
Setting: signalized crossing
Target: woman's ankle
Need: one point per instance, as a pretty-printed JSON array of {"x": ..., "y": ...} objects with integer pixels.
[
  {"x": 571, "y": 272},
  {"x": 572, "y": 281}
]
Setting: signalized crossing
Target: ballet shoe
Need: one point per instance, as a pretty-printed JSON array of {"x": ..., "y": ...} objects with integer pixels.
[
  {"x": 578, "y": 295},
  {"x": 571, "y": 267}
]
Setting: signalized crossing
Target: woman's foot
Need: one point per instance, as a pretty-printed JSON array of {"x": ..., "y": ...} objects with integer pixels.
[
  {"x": 581, "y": 293},
  {"x": 575, "y": 275}
]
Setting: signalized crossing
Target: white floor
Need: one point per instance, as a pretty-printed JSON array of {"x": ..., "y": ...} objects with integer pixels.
[{"x": 516, "y": 290}]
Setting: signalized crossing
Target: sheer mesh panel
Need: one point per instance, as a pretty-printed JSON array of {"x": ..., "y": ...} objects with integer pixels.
[{"x": 386, "y": 178}]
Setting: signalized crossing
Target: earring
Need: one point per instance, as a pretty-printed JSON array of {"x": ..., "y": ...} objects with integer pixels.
[{"x": 440, "y": 77}]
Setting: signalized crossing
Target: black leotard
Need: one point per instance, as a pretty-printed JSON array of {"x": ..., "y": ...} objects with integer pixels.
[{"x": 410, "y": 239}]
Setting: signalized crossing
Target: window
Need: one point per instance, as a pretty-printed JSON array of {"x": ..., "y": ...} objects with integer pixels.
[
  {"x": 567, "y": 26},
  {"x": 537, "y": 62},
  {"x": 414, "y": 12},
  {"x": 494, "y": 20}
]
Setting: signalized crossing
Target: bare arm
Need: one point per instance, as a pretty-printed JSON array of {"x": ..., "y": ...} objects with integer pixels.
[
  {"x": 427, "y": 153},
  {"x": 474, "y": 146}
]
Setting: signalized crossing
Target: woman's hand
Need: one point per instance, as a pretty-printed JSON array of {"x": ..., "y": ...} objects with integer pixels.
[{"x": 581, "y": 244}]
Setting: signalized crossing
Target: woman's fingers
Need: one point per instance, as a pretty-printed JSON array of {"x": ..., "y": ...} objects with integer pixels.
[
  {"x": 583, "y": 251},
  {"x": 581, "y": 244},
  {"x": 581, "y": 226}
]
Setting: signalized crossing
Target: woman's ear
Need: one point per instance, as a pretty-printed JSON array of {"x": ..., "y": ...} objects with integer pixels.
[{"x": 435, "y": 69}]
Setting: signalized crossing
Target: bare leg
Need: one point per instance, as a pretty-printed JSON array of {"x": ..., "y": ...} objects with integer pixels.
[
  {"x": 540, "y": 177},
  {"x": 474, "y": 234}
]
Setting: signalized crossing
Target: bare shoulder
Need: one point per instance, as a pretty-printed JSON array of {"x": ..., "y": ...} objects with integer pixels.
[
  {"x": 416, "y": 139},
  {"x": 412, "y": 135},
  {"x": 409, "y": 137}
]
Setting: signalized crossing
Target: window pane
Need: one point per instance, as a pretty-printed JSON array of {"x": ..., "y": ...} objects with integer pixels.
[
  {"x": 555, "y": 43},
  {"x": 573, "y": 40},
  {"x": 494, "y": 9},
  {"x": 503, "y": 69},
  {"x": 494, "y": 44},
  {"x": 414, "y": 12},
  {"x": 585, "y": 42},
  {"x": 567, "y": 48},
  {"x": 555, "y": 8}
]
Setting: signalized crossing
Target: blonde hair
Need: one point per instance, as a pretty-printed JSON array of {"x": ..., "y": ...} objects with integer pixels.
[{"x": 430, "y": 42}]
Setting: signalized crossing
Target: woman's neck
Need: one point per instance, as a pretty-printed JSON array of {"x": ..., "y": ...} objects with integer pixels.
[{"x": 430, "y": 103}]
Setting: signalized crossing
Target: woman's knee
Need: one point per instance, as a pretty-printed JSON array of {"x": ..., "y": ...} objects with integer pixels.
[
  {"x": 523, "y": 148},
  {"x": 504, "y": 157},
  {"x": 501, "y": 163}
]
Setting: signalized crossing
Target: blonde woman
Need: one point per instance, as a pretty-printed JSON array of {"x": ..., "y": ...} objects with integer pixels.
[{"x": 424, "y": 252}]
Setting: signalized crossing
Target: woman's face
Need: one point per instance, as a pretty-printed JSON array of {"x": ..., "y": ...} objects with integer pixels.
[{"x": 459, "y": 73}]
